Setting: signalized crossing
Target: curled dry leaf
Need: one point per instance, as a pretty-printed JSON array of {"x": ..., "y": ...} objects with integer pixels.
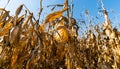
[{"x": 52, "y": 16}]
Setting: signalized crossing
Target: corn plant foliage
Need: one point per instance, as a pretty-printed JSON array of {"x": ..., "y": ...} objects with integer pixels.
[{"x": 55, "y": 44}]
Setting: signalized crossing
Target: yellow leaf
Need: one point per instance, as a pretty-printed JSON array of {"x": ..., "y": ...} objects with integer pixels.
[
  {"x": 1, "y": 25},
  {"x": 51, "y": 17},
  {"x": 42, "y": 28},
  {"x": 6, "y": 29},
  {"x": 1, "y": 48}
]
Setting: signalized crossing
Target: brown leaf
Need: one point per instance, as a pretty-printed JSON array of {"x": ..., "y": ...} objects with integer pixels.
[
  {"x": 18, "y": 10},
  {"x": 14, "y": 35}
]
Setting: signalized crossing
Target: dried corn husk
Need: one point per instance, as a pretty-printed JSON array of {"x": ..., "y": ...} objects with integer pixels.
[{"x": 61, "y": 35}]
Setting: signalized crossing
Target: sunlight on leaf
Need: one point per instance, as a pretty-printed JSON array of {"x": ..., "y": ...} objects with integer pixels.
[{"x": 52, "y": 16}]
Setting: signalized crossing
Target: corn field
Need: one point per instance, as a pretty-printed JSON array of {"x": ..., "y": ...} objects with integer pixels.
[{"x": 25, "y": 43}]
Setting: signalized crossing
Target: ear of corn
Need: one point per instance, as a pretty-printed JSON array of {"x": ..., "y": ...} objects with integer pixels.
[{"x": 61, "y": 35}]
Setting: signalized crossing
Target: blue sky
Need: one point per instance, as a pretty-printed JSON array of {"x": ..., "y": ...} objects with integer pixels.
[{"x": 79, "y": 7}]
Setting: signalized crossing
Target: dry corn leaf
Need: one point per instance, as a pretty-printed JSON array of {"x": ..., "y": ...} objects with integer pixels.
[
  {"x": 1, "y": 25},
  {"x": 42, "y": 28},
  {"x": 2, "y": 9},
  {"x": 7, "y": 26},
  {"x": 14, "y": 35},
  {"x": 118, "y": 51},
  {"x": 4, "y": 15},
  {"x": 1, "y": 49},
  {"x": 26, "y": 22},
  {"x": 27, "y": 64},
  {"x": 6, "y": 29},
  {"x": 13, "y": 60},
  {"x": 20, "y": 19},
  {"x": 51, "y": 17}
]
